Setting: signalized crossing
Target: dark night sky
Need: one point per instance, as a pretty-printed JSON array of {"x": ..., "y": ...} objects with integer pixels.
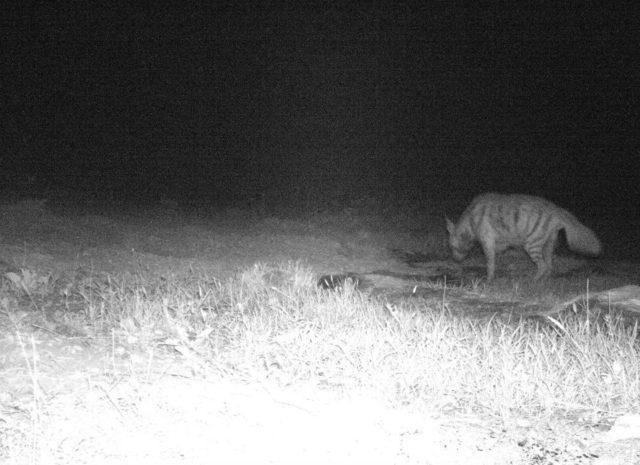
[{"x": 231, "y": 103}]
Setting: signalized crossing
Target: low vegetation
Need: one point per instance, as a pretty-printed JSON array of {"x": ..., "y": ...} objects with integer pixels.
[{"x": 270, "y": 325}]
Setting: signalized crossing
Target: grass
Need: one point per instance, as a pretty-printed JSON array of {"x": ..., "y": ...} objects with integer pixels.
[
  {"x": 272, "y": 322},
  {"x": 270, "y": 325}
]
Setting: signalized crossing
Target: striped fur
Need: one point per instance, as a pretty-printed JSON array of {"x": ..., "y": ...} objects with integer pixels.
[{"x": 500, "y": 221}]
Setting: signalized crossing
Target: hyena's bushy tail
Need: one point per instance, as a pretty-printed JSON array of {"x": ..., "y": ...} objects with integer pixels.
[{"x": 580, "y": 238}]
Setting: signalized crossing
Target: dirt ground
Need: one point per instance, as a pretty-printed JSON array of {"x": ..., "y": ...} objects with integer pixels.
[{"x": 66, "y": 398}]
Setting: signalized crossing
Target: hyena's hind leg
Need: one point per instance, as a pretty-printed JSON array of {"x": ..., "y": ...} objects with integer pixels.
[{"x": 542, "y": 256}]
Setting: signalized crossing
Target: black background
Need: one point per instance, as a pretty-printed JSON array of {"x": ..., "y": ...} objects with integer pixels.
[{"x": 323, "y": 104}]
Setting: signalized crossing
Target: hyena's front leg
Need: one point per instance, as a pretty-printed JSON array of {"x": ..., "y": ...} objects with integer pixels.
[{"x": 489, "y": 249}]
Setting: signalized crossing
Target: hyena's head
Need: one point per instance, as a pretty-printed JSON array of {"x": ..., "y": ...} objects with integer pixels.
[{"x": 460, "y": 241}]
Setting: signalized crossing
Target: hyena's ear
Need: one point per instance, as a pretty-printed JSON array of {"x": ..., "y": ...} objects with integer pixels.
[{"x": 451, "y": 227}]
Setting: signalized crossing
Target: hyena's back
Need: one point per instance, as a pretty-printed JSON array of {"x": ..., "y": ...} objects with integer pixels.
[{"x": 500, "y": 221}]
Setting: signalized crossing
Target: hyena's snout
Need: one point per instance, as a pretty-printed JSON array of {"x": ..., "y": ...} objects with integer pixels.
[{"x": 458, "y": 255}]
